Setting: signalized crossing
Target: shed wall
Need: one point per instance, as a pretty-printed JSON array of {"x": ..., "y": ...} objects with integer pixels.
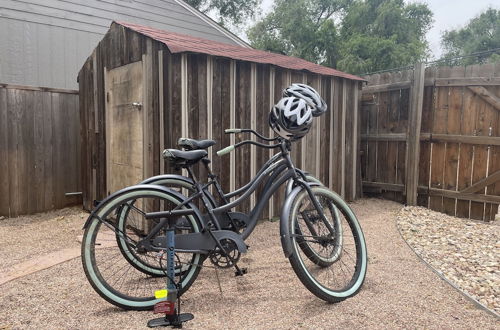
[{"x": 199, "y": 96}]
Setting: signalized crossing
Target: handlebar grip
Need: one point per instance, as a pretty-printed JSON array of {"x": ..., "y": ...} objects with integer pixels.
[
  {"x": 232, "y": 130},
  {"x": 225, "y": 150}
]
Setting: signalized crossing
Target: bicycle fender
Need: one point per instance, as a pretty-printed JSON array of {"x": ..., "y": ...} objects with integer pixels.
[
  {"x": 158, "y": 178},
  {"x": 289, "y": 184},
  {"x": 158, "y": 188},
  {"x": 286, "y": 243}
]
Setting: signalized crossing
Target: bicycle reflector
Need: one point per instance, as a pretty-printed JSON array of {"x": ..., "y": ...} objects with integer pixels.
[{"x": 165, "y": 307}]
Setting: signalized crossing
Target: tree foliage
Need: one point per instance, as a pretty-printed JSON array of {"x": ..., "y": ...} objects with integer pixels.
[
  {"x": 352, "y": 35},
  {"x": 383, "y": 34},
  {"x": 228, "y": 12},
  {"x": 482, "y": 33},
  {"x": 301, "y": 28}
]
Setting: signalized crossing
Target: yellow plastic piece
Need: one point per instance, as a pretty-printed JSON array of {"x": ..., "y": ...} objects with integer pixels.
[{"x": 161, "y": 294}]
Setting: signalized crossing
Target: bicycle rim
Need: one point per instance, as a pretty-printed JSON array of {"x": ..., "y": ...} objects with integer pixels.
[{"x": 343, "y": 275}]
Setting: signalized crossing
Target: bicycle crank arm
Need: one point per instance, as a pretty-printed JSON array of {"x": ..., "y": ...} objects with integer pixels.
[{"x": 202, "y": 241}]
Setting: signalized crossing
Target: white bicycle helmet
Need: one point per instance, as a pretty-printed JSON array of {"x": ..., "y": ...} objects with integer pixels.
[
  {"x": 308, "y": 94},
  {"x": 291, "y": 118}
]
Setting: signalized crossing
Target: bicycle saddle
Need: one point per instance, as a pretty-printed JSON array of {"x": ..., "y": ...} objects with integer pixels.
[
  {"x": 192, "y": 144},
  {"x": 181, "y": 158}
]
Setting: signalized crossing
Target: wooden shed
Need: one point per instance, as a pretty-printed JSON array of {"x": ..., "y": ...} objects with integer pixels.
[{"x": 143, "y": 88}]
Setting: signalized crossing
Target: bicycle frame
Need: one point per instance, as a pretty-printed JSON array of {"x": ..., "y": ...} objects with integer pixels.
[{"x": 275, "y": 172}]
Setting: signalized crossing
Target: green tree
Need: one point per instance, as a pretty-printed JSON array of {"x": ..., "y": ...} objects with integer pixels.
[
  {"x": 352, "y": 35},
  {"x": 482, "y": 33},
  {"x": 383, "y": 34},
  {"x": 301, "y": 28},
  {"x": 228, "y": 12}
]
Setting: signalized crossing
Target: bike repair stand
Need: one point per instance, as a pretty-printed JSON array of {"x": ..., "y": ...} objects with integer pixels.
[{"x": 172, "y": 316}]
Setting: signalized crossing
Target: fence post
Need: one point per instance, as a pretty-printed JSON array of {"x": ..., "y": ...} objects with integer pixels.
[{"x": 413, "y": 135}]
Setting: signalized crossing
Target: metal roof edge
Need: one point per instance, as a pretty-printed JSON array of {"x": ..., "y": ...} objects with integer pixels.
[{"x": 214, "y": 24}]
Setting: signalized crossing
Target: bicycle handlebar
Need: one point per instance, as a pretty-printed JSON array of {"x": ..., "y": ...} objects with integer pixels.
[
  {"x": 234, "y": 146},
  {"x": 232, "y": 130},
  {"x": 249, "y": 130},
  {"x": 225, "y": 150}
]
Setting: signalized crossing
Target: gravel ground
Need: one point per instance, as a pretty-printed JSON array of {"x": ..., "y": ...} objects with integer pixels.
[
  {"x": 466, "y": 252},
  {"x": 31, "y": 236},
  {"x": 399, "y": 292}
]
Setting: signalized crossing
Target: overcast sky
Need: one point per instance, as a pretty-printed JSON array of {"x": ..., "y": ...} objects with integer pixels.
[{"x": 448, "y": 14}]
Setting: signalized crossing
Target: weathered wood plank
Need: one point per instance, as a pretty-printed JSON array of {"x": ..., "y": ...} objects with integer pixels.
[
  {"x": 440, "y": 114},
  {"x": 486, "y": 95},
  {"x": 225, "y": 122},
  {"x": 467, "y": 81},
  {"x": 6, "y": 151},
  {"x": 243, "y": 118},
  {"x": 386, "y": 87},
  {"x": 494, "y": 163},
  {"x": 475, "y": 198},
  {"x": 384, "y": 137},
  {"x": 414, "y": 126},
  {"x": 336, "y": 138},
  {"x": 466, "y": 139},
  {"x": 39, "y": 89},
  {"x": 492, "y": 178},
  {"x": 14, "y": 107},
  {"x": 484, "y": 120},
  {"x": 326, "y": 133},
  {"x": 384, "y": 186}
]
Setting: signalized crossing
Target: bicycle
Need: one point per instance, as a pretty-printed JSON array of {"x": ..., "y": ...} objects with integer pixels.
[
  {"x": 308, "y": 236},
  {"x": 233, "y": 220}
]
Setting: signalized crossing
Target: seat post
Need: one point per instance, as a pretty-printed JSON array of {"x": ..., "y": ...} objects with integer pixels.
[
  {"x": 191, "y": 174},
  {"x": 206, "y": 162}
]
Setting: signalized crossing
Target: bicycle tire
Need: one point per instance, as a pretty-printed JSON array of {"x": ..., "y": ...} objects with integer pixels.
[
  {"x": 352, "y": 235},
  {"x": 94, "y": 249}
]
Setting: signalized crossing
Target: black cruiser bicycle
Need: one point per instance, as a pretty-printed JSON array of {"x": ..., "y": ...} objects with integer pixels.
[{"x": 124, "y": 252}]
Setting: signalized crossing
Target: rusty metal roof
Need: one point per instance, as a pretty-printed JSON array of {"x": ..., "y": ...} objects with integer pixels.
[{"x": 181, "y": 43}]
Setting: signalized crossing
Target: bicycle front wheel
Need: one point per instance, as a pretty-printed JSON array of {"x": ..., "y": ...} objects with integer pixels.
[{"x": 328, "y": 253}]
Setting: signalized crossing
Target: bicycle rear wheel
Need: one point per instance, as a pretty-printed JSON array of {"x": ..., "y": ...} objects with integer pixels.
[
  {"x": 330, "y": 264},
  {"x": 128, "y": 216},
  {"x": 131, "y": 282}
]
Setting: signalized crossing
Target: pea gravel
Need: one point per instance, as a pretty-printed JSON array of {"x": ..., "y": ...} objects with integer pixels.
[
  {"x": 466, "y": 252},
  {"x": 399, "y": 292}
]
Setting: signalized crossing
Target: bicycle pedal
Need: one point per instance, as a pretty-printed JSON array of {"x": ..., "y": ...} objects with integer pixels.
[{"x": 241, "y": 272}]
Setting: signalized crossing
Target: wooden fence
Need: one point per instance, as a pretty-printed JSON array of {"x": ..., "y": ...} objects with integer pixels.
[
  {"x": 431, "y": 137},
  {"x": 40, "y": 149}
]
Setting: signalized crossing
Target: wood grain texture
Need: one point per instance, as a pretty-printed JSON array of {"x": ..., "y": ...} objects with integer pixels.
[
  {"x": 4, "y": 147},
  {"x": 459, "y": 138},
  {"x": 41, "y": 141}
]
